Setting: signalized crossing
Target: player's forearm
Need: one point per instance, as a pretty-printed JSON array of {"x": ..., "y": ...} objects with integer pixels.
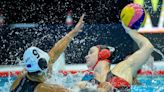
[
  {"x": 140, "y": 39},
  {"x": 61, "y": 45}
]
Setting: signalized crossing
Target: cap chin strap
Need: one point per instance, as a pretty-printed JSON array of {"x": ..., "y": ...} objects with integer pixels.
[{"x": 97, "y": 63}]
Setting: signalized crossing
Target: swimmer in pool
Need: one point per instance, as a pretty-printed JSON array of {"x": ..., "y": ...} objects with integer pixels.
[
  {"x": 121, "y": 76},
  {"x": 39, "y": 63}
]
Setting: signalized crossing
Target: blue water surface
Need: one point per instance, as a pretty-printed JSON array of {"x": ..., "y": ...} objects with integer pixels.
[{"x": 149, "y": 83}]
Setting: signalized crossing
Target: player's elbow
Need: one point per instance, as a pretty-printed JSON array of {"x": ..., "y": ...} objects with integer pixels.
[{"x": 149, "y": 46}]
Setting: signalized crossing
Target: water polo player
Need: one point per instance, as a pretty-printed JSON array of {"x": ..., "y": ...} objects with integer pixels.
[{"x": 38, "y": 63}]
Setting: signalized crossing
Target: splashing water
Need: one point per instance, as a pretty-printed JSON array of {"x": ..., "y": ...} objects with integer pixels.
[
  {"x": 149, "y": 84},
  {"x": 68, "y": 81},
  {"x": 7, "y": 84},
  {"x": 150, "y": 63}
]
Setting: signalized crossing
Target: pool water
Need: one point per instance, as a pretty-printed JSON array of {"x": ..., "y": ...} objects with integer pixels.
[
  {"x": 5, "y": 83},
  {"x": 149, "y": 84}
]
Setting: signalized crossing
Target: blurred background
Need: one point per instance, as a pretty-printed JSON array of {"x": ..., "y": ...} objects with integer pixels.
[{"x": 41, "y": 23}]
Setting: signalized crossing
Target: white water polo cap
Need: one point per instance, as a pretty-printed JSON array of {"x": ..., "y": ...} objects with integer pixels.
[{"x": 35, "y": 59}]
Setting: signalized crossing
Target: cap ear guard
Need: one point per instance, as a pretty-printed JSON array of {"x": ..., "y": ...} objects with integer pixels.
[
  {"x": 104, "y": 54},
  {"x": 42, "y": 63},
  {"x": 105, "y": 51}
]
